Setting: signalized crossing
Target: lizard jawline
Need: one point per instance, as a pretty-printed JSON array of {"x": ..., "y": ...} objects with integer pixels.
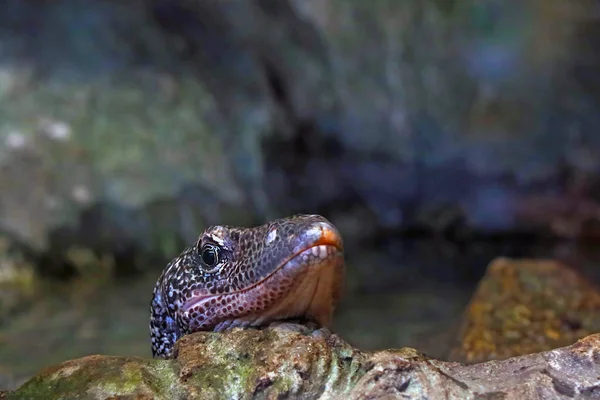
[{"x": 335, "y": 247}]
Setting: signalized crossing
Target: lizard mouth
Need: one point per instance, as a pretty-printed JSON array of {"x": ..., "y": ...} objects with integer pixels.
[{"x": 322, "y": 246}]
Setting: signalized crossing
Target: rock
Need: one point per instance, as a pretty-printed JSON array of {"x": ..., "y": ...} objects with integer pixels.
[
  {"x": 128, "y": 136},
  {"x": 442, "y": 113},
  {"x": 281, "y": 362},
  {"x": 527, "y": 306},
  {"x": 17, "y": 283},
  {"x": 103, "y": 150}
]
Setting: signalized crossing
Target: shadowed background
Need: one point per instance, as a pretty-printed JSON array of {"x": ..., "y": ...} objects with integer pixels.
[{"x": 437, "y": 135}]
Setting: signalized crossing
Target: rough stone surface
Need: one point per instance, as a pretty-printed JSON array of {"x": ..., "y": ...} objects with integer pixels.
[
  {"x": 291, "y": 363},
  {"x": 527, "y": 306},
  {"x": 132, "y": 125}
]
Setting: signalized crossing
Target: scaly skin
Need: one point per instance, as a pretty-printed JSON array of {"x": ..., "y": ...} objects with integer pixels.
[{"x": 288, "y": 268}]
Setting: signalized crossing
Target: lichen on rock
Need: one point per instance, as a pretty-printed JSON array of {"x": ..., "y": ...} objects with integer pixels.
[{"x": 527, "y": 306}]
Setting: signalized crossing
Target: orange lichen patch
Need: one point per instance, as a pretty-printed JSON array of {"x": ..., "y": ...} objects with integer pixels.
[{"x": 527, "y": 306}]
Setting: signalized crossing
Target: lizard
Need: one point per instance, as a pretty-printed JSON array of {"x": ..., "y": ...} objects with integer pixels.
[{"x": 231, "y": 277}]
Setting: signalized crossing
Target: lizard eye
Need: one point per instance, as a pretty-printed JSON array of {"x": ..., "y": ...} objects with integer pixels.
[{"x": 210, "y": 255}]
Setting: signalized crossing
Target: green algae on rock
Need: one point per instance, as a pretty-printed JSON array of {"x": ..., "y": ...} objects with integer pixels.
[{"x": 100, "y": 377}]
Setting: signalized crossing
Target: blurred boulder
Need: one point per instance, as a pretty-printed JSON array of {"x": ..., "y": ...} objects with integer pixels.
[
  {"x": 527, "y": 306},
  {"x": 127, "y": 127}
]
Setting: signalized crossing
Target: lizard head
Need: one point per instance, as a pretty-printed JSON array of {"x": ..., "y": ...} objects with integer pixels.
[{"x": 232, "y": 276}]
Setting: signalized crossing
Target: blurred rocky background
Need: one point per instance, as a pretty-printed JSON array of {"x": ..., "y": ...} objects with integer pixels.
[{"x": 437, "y": 135}]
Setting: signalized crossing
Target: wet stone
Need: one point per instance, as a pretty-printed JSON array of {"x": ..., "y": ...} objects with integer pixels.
[{"x": 527, "y": 306}]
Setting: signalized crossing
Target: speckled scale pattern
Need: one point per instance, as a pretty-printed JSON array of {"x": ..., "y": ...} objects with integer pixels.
[{"x": 276, "y": 270}]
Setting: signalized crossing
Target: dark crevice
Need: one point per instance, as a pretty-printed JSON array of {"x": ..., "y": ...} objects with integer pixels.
[
  {"x": 561, "y": 387},
  {"x": 51, "y": 266},
  {"x": 277, "y": 87},
  {"x": 180, "y": 22}
]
